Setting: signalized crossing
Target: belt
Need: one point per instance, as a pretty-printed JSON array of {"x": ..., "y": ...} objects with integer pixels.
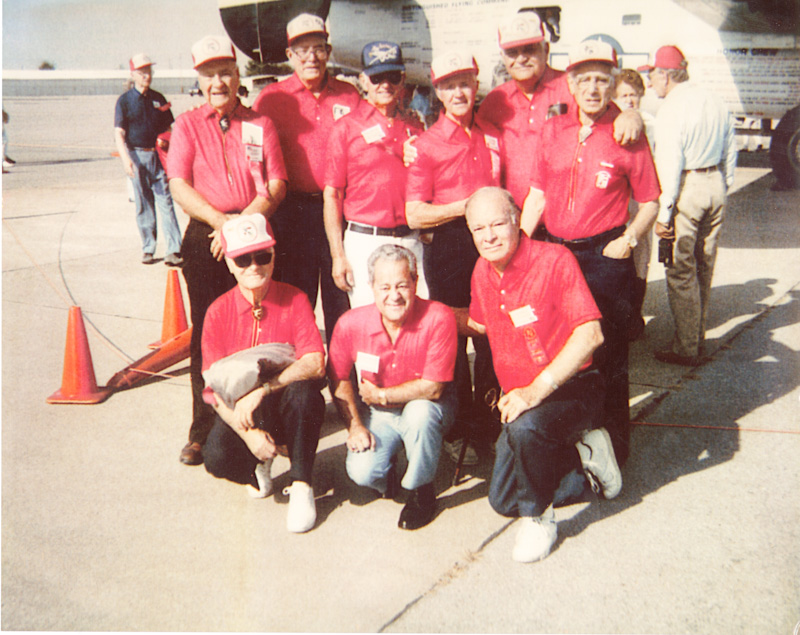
[
  {"x": 588, "y": 243},
  {"x": 397, "y": 232},
  {"x": 314, "y": 195},
  {"x": 710, "y": 168},
  {"x": 144, "y": 149}
]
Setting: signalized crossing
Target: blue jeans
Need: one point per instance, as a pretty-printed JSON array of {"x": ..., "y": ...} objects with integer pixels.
[
  {"x": 150, "y": 186},
  {"x": 532, "y": 452},
  {"x": 419, "y": 426}
]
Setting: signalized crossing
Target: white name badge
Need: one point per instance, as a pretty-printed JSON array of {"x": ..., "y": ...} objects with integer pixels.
[
  {"x": 254, "y": 153},
  {"x": 374, "y": 134},
  {"x": 367, "y": 362},
  {"x": 522, "y": 316},
  {"x": 252, "y": 135},
  {"x": 340, "y": 111},
  {"x": 492, "y": 143}
]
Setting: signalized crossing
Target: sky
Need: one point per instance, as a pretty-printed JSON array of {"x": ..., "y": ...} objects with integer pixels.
[{"x": 103, "y": 34}]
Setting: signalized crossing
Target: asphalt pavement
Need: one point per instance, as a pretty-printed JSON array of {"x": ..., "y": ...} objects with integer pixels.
[{"x": 103, "y": 528}]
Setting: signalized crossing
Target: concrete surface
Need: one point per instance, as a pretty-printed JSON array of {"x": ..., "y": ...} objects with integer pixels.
[{"x": 103, "y": 528}]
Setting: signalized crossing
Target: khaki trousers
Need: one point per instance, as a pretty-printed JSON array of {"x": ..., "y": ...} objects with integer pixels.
[{"x": 698, "y": 220}]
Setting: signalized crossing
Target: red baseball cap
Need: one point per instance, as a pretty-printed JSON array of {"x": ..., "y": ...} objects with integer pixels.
[
  {"x": 452, "y": 63},
  {"x": 666, "y": 57},
  {"x": 245, "y": 234}
]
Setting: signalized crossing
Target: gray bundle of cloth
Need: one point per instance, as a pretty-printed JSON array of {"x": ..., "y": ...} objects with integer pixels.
[{"x": 234, "y": 376}]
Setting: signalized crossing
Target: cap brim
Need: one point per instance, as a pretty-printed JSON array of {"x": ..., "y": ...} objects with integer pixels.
[
  {"x": 645, "y": 68},
  {"x": 213, "y": 59},
  {"x": 598, "y": 61},
  {"x": 299, "y": 35},
  {"x": 383, "y": 68},
  {"x": 529, "y": 40},
  {"x": 463, "y": 71},
  {"x": 251, "y": 248}
]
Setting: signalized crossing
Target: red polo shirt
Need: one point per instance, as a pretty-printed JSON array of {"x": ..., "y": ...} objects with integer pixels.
[
  {"x": 531, "y": 311},
  {"x": 229, "y": 326},
  {"x": 304, "y": 123},
  {"x": 218, "y": 166},
  {"x": 451, "y": 164},
  {"x": 520, "y": 120},
  {"x": 425, "y": 347},
  {"x": 365, "y": 157},
  {"x": 587, "y": 185}
]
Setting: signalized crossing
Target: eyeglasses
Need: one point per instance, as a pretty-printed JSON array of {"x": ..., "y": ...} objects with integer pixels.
[
  {"x": 261, "y": 258},
  {"x": 305, "y": 52},
  {"x": 393, "y": 77}
]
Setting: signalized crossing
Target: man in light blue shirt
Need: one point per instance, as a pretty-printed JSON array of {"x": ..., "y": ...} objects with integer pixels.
[{"x": 695, "y": 157}]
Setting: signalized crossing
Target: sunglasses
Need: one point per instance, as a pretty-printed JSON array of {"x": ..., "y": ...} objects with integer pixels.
[
  {"x": 393, "y": 77},
  {"x": 261, "y": 258}
]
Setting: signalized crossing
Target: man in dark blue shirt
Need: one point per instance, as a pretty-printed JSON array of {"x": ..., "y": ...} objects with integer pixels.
[{"x": 141, "y": 115}]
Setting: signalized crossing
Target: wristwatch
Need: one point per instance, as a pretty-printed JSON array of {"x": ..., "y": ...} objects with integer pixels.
[
  {"x": 631, "y": 240},
  {"x": 382, "y": 398}
]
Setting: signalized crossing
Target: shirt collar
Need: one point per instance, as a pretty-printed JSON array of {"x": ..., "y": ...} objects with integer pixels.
[
  {"x": 243, "y": 306},
  {"x": 296, "y": 86},
  {"x": 210, "y": 113},
  {"x": 452, "y": 130}
]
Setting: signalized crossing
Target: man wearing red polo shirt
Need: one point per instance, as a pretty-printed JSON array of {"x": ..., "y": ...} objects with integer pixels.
[
  {"x": 581, "y": 184},
  {"x": 287, "y": 409},
  {"x": 224, "y": 159},
  {"x": 365, "y": 179},
  {"x": 404, "y": 350},
  {"x": 456, "y": 156},
  {"x": 304, "y": 108},
  {"x": 535, "y": 93},
  {"x": 530, "y": 298}
]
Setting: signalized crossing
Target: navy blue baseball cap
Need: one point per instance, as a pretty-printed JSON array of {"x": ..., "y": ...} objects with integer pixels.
[{"x": 380, "y": 57}]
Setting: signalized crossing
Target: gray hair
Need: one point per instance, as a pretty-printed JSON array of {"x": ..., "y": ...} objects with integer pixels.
[
  {"x": 678, "y": 75},
  {"x": 612, "y": 70},
  {"x": 392, "y": 253},
  {"x": 507, "y": 201}
]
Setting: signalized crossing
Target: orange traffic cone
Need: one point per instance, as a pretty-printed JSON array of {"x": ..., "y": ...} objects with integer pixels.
[
  {"x": 78, "y": 384},
  {"x": 169, "y": 354},
  {"x": 174, "y": 322}
]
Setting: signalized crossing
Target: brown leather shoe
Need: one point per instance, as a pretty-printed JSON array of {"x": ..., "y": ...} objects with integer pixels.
[
  {"x": 192, "y": 454},
  {"x": 670, "y": 357}
]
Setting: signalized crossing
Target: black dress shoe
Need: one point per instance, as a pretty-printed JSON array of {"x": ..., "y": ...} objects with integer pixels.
[
  {"x": 669, "y": 357},
  {"x": 420, "y": 508},
  {"x": 192, "y": 454}
]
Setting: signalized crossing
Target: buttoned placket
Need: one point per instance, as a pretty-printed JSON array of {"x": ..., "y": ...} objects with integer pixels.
[{"x": 573, "y": 176}]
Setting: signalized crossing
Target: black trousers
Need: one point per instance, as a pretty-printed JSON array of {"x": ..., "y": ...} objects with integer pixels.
[
  {"x": 206, "y": 280},
  {"x": 611, "y": 282},
  {"x": 292, "y": 416},
  {"x": 303, "y": 257}
]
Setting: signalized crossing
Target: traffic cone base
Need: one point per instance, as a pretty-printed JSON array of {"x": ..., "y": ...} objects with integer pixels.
[
  {"x": 78, "y": 384},
  {"x": 174, "y": 322}
]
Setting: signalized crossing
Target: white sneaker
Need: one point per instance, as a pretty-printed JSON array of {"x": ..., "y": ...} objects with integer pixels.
[
  {"x": 263, "y": 474},
  {"x": 535, "y": 537},
  {"x": 453, "y": 449},
  {"x": 302, "y": 511},
  {"x": 600, "y": 463}
]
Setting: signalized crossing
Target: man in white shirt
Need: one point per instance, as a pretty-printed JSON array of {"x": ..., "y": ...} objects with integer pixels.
[{"x": 695, "y": 158}]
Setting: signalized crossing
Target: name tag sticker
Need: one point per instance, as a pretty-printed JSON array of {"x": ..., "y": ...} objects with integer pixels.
[
  {"x": 254, "y": 153},
  {"x": 340, "y": 111},
  {"x": 522, "y": 316},
  {"x": 374, "y": 134},
  {"x": 252, "y": 134},
  {"x": 367, "y": 363},
  {"x": 492, "y": 143}
]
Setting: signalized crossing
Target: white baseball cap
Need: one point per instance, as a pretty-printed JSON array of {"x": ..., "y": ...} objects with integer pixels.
[
  {"x": 212, "y": 47},
  {"x": 305, "y": 24},
  {"x": 520, "y": 29},
  {"x": 140, "y": 60},
  {"x": 245, "y": 234},
  {"x": 592, "y": 51},
  {"x": 452, "y": 63}
]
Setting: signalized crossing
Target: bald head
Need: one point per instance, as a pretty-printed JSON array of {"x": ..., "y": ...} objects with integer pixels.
[{"x": 493, "y": 219}]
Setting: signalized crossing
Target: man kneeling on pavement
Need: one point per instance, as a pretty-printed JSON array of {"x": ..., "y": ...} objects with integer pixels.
[
  {"x": 404, "y": 351},
  {"x": 543, "y": 325},
  {"x": 287, "y": 409}
]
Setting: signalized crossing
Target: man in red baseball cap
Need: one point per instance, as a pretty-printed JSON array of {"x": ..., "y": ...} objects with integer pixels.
[
  {"x": 224, "y": 159},
  {"x": 286, "y": 409},
  {"x": 695, "y": 156}
]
